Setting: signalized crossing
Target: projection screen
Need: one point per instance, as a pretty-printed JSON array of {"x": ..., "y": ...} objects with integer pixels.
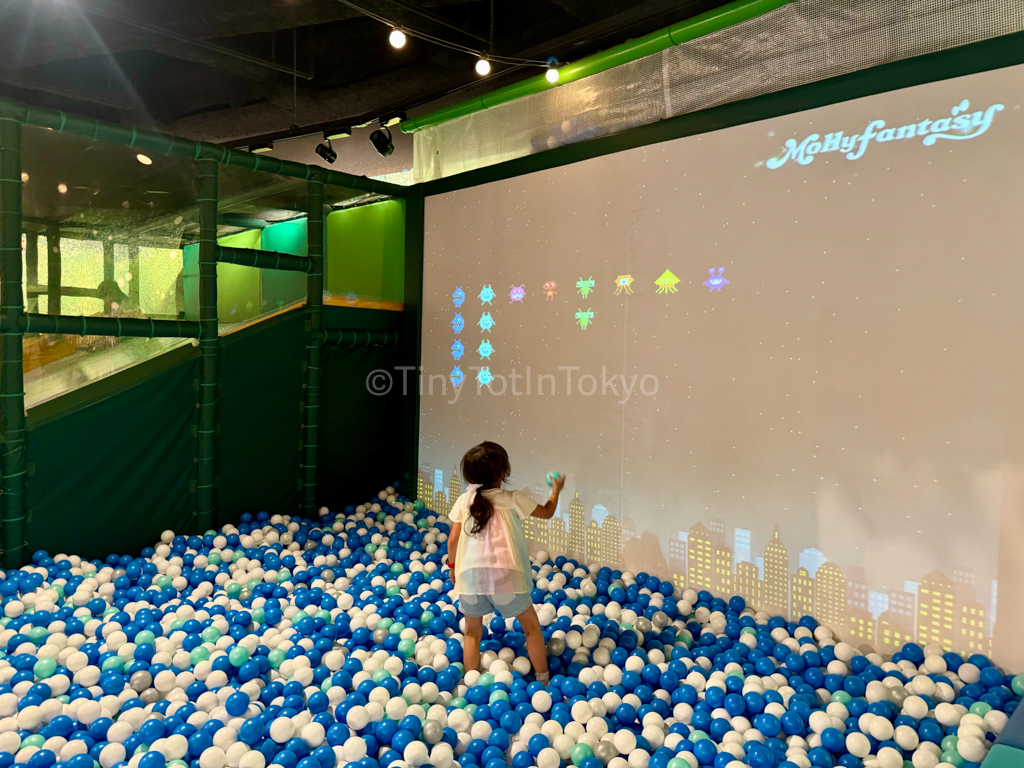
[{"x": 781, "y": 360}]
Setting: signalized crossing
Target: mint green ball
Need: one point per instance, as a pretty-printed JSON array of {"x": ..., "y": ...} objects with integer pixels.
[
  {"x": 579, "y": 753},
  {"x": 407, "y": 646},
  {"x": 35, "y": 740},
  {"x": 397, "y": 568},
  {"x": 396, "y": 628},
  {"x": 980, "y": 708},
  {"x": 258, "y": 615},
  {"x": 948, "y": 743},
  {"x": 38, "y": 635},
  {"x": 234, "y": 589},
  {"x": 283, "y": 575},
  {"x": 953, "y": 758},
  {"x": 417, "y": 505},
  {"x": 114, "y": 663},
  {"x": 276, "y": 657},
  {"x": 486, "y": 680},
  {"x": 380, "y": 676},
  {"x": 163, "y": 581},
  {"x": 145, "y": 637},
  {"x": 214, "y": 558},
  {"x": 210, "y": 635},
  {"x": 393, "y": 589},
  {"x": 459, "y": 702},
  {"x": 198, "y": 654},
  {"x": 324, "y": 614},
  {"x": 842, "y": 697},
  {"x": 1017, "y": 685},
  {"x": 44, "y": 668},
  {"x": 238, "y": 655}
]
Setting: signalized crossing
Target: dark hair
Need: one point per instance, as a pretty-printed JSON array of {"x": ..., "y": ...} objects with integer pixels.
[{"x": 486, "y": 465}]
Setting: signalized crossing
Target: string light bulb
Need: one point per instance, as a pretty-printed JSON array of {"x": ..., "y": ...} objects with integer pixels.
[
  {"x": 396, "y": 38},
  {"x": 552, "y": 73},
  {"x": 483, "y": 67}
]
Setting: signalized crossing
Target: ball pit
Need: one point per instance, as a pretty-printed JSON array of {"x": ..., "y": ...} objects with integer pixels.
[{"x": 334, "y": 642}]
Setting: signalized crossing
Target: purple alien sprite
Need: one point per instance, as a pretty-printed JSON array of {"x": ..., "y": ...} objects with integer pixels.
[
  {"x": 518, "y": 293},
  {"x": 716, "y": 282}
]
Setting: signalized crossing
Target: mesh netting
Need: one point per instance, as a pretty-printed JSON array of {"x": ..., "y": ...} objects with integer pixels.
[{"x": 800, "y": 43}]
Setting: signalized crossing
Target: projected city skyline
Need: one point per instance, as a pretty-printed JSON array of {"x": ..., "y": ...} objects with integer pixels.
[{"x": 935, "y": 608}]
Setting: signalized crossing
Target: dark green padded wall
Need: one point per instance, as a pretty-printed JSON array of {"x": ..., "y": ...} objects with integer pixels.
[
  {"x": 259, "y": 418},
  {"x": 112, "y": 465},
  {"x": 360, "y": 433}
]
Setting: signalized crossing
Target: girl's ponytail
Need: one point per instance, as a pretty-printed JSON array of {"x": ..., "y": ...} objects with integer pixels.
[
  {"x": 481, "y": 511},
  {"x": 486, "y": 466}
]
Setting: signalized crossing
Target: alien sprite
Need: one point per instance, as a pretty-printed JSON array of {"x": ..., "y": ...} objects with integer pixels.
[
  {"x": 456, "y": 376},
  {"x": 667, "y": 283},
  {"x": 458, "y": 323},
  {"x": 485, "y": 349},
  {"x": 486, "y": 294},
  {"x": 549, "y": 290},
  {"x": 584, "y": 318},
  {"x": 716, "y": 282},
  {"x": 484, "y": 377},
  {"x": 517, "y": 293},
  {"x": 585, "y": 286},
  {"x": 623, "y": 283},
  {"x": 458, "y": 296},
  {"x": 457, "y": 349},
  {"x": 486, "y": 321}
]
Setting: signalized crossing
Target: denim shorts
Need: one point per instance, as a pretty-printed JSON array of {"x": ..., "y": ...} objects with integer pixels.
[{"x": 509, "y": 606}]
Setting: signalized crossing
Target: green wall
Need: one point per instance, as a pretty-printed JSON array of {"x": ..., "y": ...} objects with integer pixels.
[
  {"x": 366, "y": 251},
  {"x": 281, "y": 288},
  {"x": 238, "y": 287},
  {"x": 112, "y": 465},
  {"x": 360, "y": 433},
  {"x": 259, "y": 418}
]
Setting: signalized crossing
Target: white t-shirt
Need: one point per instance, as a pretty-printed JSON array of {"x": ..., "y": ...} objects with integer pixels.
[{"x": 494, "y": 561}]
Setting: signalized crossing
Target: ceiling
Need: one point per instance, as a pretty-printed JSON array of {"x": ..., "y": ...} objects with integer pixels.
[{"x": 223, "y": 70}]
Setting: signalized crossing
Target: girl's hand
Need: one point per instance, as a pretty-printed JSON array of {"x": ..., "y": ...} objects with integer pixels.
[{"x": 558, "y": 484}]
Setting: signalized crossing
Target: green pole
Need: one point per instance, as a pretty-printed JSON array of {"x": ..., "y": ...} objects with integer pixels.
[
  {"x": 209, "y": 342},
  {"x": 12, "y": 385},
  {"x": 315, "y": 302},
  {"x": 703, "y": 24},
  {"x": 53, "y": 266},
  {"x": 411, "y": 353}
]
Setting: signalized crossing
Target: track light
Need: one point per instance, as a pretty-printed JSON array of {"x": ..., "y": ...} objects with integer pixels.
[
  {"x": 266, "y": 146},
  {"x": 381, "y": 140},
  {"x": 326, "y": 151},
  {"x": 144, "y": 159},
  {"x": 341, "y": 132},
  {"x": 483, "y": 67},
  {"x": 396, "y": 38}
]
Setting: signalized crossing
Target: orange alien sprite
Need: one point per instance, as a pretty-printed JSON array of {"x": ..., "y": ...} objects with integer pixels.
[{"x": 549, "y": 290}]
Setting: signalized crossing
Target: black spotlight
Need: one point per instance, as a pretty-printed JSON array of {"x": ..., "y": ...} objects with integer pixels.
[
  {"x": 381, "y": 140},
  {"x": 326, "y": 151}
]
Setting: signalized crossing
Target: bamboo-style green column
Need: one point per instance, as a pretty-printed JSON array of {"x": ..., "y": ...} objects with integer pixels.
[
  {"x": 53, "y": 270},
  {"x": 315, "y": 302},
  {"x": 12, "y": 391},
  {"x": 209, "y": 343}
]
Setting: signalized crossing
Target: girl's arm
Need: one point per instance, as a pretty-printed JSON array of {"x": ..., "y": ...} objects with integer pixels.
[
  {"x": 453, "y": 547},
  {"x": 546, "y": 511}
]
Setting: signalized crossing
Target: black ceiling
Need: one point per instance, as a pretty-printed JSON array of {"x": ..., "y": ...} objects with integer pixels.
[{"x": 170, "y": 64}]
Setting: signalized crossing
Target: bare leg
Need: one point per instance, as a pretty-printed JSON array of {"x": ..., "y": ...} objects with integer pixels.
[
  {"x": 535, "y": 645},
  {"x": 471, "y": 646}
]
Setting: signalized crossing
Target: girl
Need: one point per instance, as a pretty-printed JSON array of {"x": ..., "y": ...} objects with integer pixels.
[{"x": 488, "y": 556}]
